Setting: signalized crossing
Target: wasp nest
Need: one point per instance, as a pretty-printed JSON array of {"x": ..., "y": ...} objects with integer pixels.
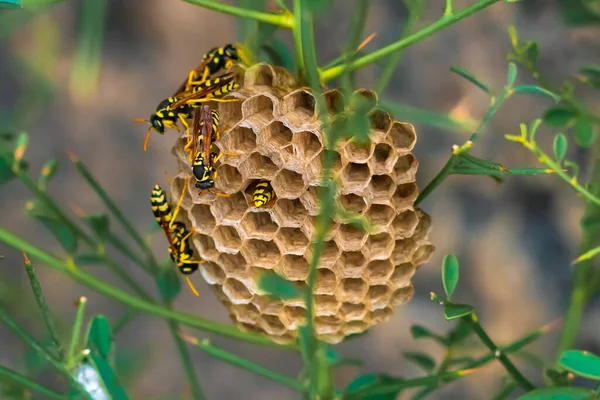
[{"x": 277, "y": 135}]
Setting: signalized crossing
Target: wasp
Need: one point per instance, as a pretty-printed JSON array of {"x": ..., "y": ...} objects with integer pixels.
[
  {"x": 177, "y": 235},
  {"x": 263, "y": 194}
]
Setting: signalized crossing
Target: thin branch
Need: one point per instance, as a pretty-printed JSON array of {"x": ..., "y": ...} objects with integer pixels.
[{"x": 283, "y": 20}]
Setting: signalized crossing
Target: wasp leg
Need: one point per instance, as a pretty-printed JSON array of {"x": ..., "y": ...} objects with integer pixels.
[
  {"x": 178, "y": 206},
  {"x": 192, "y": 288},
  {"x": 209, "y": 99}
]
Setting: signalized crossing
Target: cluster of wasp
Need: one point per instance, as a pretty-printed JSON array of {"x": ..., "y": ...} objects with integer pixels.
[{"x": 209, "y": 82}]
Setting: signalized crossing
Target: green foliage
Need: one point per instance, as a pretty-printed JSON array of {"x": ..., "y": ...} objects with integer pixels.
[
  {"x": 563, "y": 393},
  {"x": 471, "y": 78},
  {"x": 278, "y": 287},
  {"x": 450, "y": 274},
  {"x": 560, "y": 147},
  {"x": 582, "y": 363},
  {"x": 11, "y": 4},
  {"x": 559, "y": 117}
]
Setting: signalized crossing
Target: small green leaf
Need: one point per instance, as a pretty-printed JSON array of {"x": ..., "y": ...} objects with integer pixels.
[
  {"x": 592, "y": 70},
  {"x": 559, "y": 393},
  {"x": 48, "y": 171},
  {"x": 533, "y": 89},
  {"x": 559, "y": 116},
  {"x": 277, "y": 286},
  {"x": 368, "y": 380},
  {"x": 453, "y": 311},
  {"x": 99, "y": 335},
  {"x": 590, "y": 222},
  {"x": 420, "y": 332},
  {"x": 450, "y": 274},
  {"x": 169, "y": 284},
  {"x": 470, "y": 77},
  {"x": 99, "y": 224},
  {"x": 462, "y": 330},
  {"x": 560, "y": 147},
  {"x": 6, "y": 173},
  {"x": 532, "y": 51},
  {"x": 109, "y": 378},
  {"x": 558, "y": 378},
  {"x": 583, "y": 133},
  {"x": 87, "y": 259},
  {"x": 65, "y": 236},
  {"x": 424, "y": 361},
  {"x": 11, "y": 4},
  {"x": 582, "y": 363},
  {"x": 573, "y": 168},
  {"x": 512, "y": 73},
  {"x": 514, "y": 36}
]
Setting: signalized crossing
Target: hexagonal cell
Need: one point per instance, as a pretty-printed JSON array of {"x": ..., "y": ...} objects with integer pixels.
[
  {"x": 233, "y": 265},
  {"x": 381, "y": 217},
  {"x": 327, "y": 324},
  {"x": 383, "y": 160},
  {"x": 378, "y": 296},
  {"x": 350, "y": 238},
  {"x": 401, "y": 276},
  {"x": 230, "y": 114},
  {"x": 258, "y": 225},
  {"x": 381, "y": 188},
  {"x": 307, "y": 144},
  {"x": 239, "y": 140},
  {"x": 299, "y": 106},
  {"x": 423, "y": 226},
  {"x": 336, "y": 161},
  {"x": 227, "y": 240},
  {"x": 381, "y": 315},
  {"x": 212, "y": 273},
  {"x": 291, "y": 241},
  {"x": 405, "y": 195},
  {"x": 406, "y": 166},
  {"x": 310, "y": 200},
  {"x": 288, "y": 184},
  {"x": 352, "y": 290},
  {"x": 354, "y": 327},
  {"x": 423, "y": 254},
  {"x": 260, "y": 75},
  {"x": 205, "y": 246},
  {"x": 257, "y": 166},
  {"x": 326, "y": 305},
  {"x": 251, "y": 328},
  {"x": 353, "y": 312},
  {"x": 261, "y": 253},
  {"x": 405, "y": 224},
  {"x": 402, "y": 295},
  {"x": 276, "y": 137},
  {"x": 246, "y": 313},
  {"x": 228, "y": 180},
  {"x": 313, "y": 174},
  {"x": 293, "y": 268},
  {"x": 334, "y": 100},
  {"x": 268, "y": 305},
  {"x": 403, "y": 250},
  {"x": 358, "y": 152},
  {"x": 329, "y": 255},
  {"x": 353, "y": 203},
  {"x": 378, "y": 271},
  {"x": 272, "y": 324},
  {"x": 310, "y": 226},
  {"x": 257, "y": 111},
  {"x": 380, "y": 122},
  {"x": 351, "y": 264},
  {"x": 236, "y": 291},
  {"x": 379, "y": 247},
  {"x": 202, "y": 220},
  {"x": 218, "y": 291},
  {"x": 295, "y": 315},
  {"x": 355, "y": 177},
  {"x": 289, "y": 213},
  {"x": 403, "y": 136},
  {"x": 326, "y": 282},
  {"x": 229, "y": 210},
  {"x": 365, "y": 99}
]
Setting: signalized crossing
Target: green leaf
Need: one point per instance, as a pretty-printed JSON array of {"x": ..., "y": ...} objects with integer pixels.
[
  {"x": 277, "y": 286},
  {"x": 559, "y": 393},
  {"x": 514, "y": 36},
  {"x": 424, "y": 361},
  {"x": 532, "y": 51},
  {"x": 453, "y": 311},
  {"x": 470, "y": 77},
  {"x": 450, "y": 274},
  {"x": 169, "y": 284},
  {"x": 6, "y": 173},
  {"x": 99, "y": 335},
  {"x": 559, "y": 116},
  {"x": 592, "y": 70},
  {"x": 512, "y": 73},
  {"x": 582, "y": 363},
  {"x": 11, "y": 4},
  {"x": 100, "y": 225},
  {"x": 533, "y": 89},
  {"x": 575, "y": 13},
  {"x": 558, "y": 378},
  {"x": 319, "y": 6},
  {"x": 560, "y": 147},
  {"x": 420, "y": 332},
  {"x": 87, "y": 259},
  {"x": 583, "y": 133},
  {"x": 109, "y": 378},
  {"x": 367, "y": 380},
  {"x": 65, "y": 236},
  {"x": 48, "y": 171}
]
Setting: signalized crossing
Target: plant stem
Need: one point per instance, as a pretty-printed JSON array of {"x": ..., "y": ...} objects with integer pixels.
[
  {"x": 449, "y": 9},
  {"x": 76, "y": 333},
  {"x": 186, "y": 360},
  {"x": 429, "y": 30},
  {"x": 439, "y": 178},
  {"x": 101, "y": 287},
  {"x": 284, "y": 21},
  {"x": 43, "y": 306},
  {"x": 28, "y": 383}
]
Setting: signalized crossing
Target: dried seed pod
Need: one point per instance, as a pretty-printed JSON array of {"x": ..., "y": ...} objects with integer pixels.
[{"x": 277, "y": 134}]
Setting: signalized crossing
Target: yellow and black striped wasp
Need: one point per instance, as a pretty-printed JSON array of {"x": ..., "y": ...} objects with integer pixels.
[
  {"x": 177, "y": 235},
  {"x": 263, "y": 195}
]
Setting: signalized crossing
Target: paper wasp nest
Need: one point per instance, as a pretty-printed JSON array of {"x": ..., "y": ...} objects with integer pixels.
[{"x": 361, "y": 276}]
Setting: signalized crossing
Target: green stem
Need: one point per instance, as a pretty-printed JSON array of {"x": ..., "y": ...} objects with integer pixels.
[
  {"x": 449, "y": 9},
  {"x": 439, "y": 178},
  {"x": 284, "y": 21},
  {"x": 76, "y": 333},
  {"x": 246, "y": 364},
  {"x": 99, "y": 286},
  {"x": 508, "y": 365},
  {"x": 28, "y": 383},
  {"x": 358, "y": 21},
  {"x": 429, "y": 30},
  {"x": 186, "y": 360},
  {"x": 43, "y": 306}
]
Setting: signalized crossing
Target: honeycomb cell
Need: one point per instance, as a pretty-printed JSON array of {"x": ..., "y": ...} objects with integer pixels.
[
  {"x": 364, "y": 99},
  {"x": 240, "y": 140},
  {"x": 380, "y": 216},
  {"x": 403, "y": 250},
  {"x": 380, "y": 246},
  {"x": 310, "y": 226},
  {"x": 405, "y": 166},
  {"x": 288, "y": 184},
  {"x": 355, "y": 177},
  {"x": 212, "y": 273},
  {"x": 358, "y": 152},
  {"x": 261, "y": 253},
  {"x": 355, "y": 326},
  {"x": 405, "y": 195},
  {"x": 245, "y": 313},
  {"x": 379, "y": 271},
  {"x": 326, "y": 305},
  {"x": 404, "y": 224},
  {"x": 423, "y": 254},
  {"x": 233, "y": 265},
  {"x": 291, "y": 241},
  {"x": 202, "y": 220},
  {"x": 350, "y": 238},
  {"x": 257, "y": 166},
  {"x": 383, "y": 160},
  {"x": 401, "y": 275},
  {"x": 272, "y": 324},
  {"x": 293, "y": 268},
  {"x": 327, "y": 324},
  {"x": 381, "y": 122},
  {"x": 403, "y": 136},
  {"x": 402, "y": 295},
  {"x": 289, "y": 213},
  {"x": 351, "y": 264},
  {"x": 334, "y": 100},
  {"x": 326, "y": 282},
  {"x": 378, "y": 297},
  {"x": 307, "y": 144},
  {"x": 423, "y": 226},
  {"x": 353, "y": 312},
  {"x": 236, "y": 291},
  {"x": 351, "y": 290},
  {"x": 336, "y": 161},
  {"x": 205, "y": 246},
  {"x": 257, "y": 225},
  {"x": 295, "y": 315},
  {"x": 227, "y": 240},
  {"x": 230, "y": 114},
  {"x": 313, "y": 175},
  {"x": 257, "y": 111},
  {"x": 310, "y": 200},
  {"x": 381, "y": 188},
  {"x": 381, "y": 315},
  {"x": 178, "y": 186},
  {"x": 276, "y": 138},
  {"x": 329, "y": 255},
  {"x": 299, "y": 106},
  {"x": 229, "y": 210},
  {"x": 353, "y": 203},
  {"x": 228, "y": 180}
]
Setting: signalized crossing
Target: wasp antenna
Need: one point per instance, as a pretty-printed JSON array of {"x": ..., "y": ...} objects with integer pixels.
[
  {"x": 141, "y": 120},
  {"x": 366, "y": 41},
  {"x": 147, "y": 138},
  {"x": 192, "y": 288}
]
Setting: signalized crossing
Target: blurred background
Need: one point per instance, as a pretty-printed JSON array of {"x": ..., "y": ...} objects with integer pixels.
[{"x": 515, "y": 241}]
